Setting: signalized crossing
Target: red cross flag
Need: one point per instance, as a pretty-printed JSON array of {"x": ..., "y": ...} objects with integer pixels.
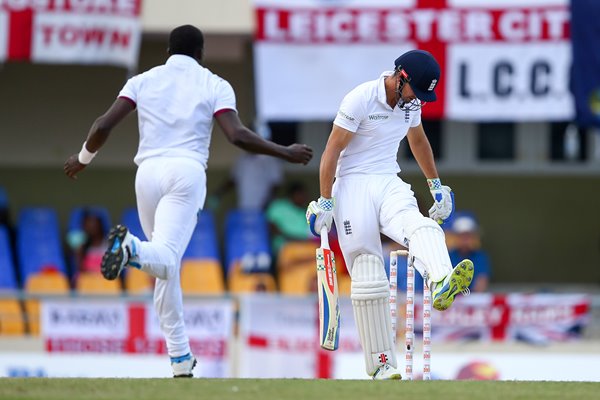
[
  {"x": 70, "y": 31},
  {"x": 500, "y": 59}
]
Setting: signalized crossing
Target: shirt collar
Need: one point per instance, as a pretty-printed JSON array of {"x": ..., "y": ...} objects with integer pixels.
[
  {"x": 381, "y": 96},
  {"x": 180, "y": 59}
]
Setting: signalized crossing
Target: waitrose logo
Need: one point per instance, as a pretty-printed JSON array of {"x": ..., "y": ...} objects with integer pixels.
[{"x": 378, "y": 117}]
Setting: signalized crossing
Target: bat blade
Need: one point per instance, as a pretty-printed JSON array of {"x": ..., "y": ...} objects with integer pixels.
[{"x": 329, "y": 309}]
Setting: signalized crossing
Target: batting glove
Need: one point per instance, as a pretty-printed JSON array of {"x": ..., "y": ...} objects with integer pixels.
[
  {"x": 319, "y": 214},
  {"x": 443, "y": 201}
]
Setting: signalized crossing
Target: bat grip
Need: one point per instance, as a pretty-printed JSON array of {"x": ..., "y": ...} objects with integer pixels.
[{"x": 324, "y": 237}]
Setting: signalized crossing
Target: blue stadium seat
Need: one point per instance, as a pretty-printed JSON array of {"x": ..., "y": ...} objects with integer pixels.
[
  {"x": 247, "y": 240},
  {"x": 38, "y": 241},
  {"x": 203, "y": 244},
  {"x": 246, "y": 218},
  {"x": 76, "y": 217},
  {"x": 131, "y": 220},
  {"x": 7, "y": 269}
]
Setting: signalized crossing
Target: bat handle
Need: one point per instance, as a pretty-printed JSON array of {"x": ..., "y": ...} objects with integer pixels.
[{"x": 324, "y": 237}]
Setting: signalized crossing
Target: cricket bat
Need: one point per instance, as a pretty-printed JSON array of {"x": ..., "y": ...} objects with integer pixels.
[{"x": 327, "y": 286}]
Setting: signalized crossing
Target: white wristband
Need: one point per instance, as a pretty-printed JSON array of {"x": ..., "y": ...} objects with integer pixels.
[{"x": 85, "y": 156}]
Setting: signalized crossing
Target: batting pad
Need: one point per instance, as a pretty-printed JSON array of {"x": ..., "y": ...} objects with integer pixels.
[
  {"x": 427, "y": 244},
  {"x": 370, "y": 300}
]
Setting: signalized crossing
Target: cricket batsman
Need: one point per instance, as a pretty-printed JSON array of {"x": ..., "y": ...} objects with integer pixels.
[{"x": 369, "y": 198}]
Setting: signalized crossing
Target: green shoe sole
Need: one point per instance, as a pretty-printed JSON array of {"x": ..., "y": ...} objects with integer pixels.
[{"x": 460, "y": 280}]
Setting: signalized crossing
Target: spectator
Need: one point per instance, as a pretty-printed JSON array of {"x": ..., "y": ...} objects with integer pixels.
[
  {"x": 287, "y": 217},
  {"x": 467, "y": 244},
  {"x": 88, "y": 255}
]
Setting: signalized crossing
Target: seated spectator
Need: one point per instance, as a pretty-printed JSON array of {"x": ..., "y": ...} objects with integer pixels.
[
  {"x": 287, "y": 217},
  {"x": 467, "y": 244},
  {"x": 91, "y": 244}
]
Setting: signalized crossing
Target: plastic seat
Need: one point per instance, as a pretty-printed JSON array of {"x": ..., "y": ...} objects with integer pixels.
[
  {"x": 138, "y": 282},
  {"x": 39, "y": 244},
  {"x": 300, "y": 280},
  {"x": 203, "y": 244},
  {"x": 247, "y": 239},
  {"x": 248, "y": 218},
  {"x": 297, "y": 267},
  {"x": 11, "y": 318},
  {"x": 202, "y": 277},
  {"x": 51, "y": 282},
  {"x": 253, "y": 282},
  {"x": 8, "y": 279},
  {"x": 42, "y": 283},
  {"x": 344, "y": 285},
  {"x": 297, "y": 253},
  {"x": 131, "y": 220},
  {"x": 94, "y": 284}
]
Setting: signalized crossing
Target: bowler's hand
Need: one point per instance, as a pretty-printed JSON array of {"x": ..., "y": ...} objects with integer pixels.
[
  {"x": 72, "y": 166},
  {"x": 299, "y": 153}
]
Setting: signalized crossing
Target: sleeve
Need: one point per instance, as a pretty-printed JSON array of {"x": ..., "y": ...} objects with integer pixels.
[
  {"x": 351, "y": 111},
  {"x": 416, "y": 119},
  {"x": 131, "y": 89},
  {"x": 225, "y": 97}
]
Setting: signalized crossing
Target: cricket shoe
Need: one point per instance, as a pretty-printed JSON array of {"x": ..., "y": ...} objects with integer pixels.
[
  {"x": 456, "y": 282},
  {"x": 387, "y": 373},
  {"x": 183, "y": 366},
  {"x": 121, "y": 249}
]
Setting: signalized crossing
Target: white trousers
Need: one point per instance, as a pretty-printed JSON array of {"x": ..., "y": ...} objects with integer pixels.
[
  {"x": 367, "y": 205},
  {"x": 170, "y": 191}
]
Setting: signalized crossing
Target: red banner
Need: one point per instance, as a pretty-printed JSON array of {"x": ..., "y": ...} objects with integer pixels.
[
  {"x": 71, "y": 31},
  {"x": 105, "y": 327},
  {"x": 500, "y": 60}
]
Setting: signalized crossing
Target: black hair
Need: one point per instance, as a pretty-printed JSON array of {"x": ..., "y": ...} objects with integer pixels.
[{"x": 186, "y": 40}]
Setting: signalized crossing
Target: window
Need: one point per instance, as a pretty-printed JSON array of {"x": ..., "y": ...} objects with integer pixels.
[{"x": 496, "y": 141}]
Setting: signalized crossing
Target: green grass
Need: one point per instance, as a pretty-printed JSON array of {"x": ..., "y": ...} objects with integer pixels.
[{"x": 286, "y": 389}]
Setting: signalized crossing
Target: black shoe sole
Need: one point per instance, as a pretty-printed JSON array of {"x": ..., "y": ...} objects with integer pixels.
[{"x": 111, "y": 261}]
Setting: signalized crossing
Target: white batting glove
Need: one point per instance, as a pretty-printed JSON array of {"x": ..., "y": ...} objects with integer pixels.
[
  {"x": 443, "y": 201},
  {"x": 319, "y": 214}
]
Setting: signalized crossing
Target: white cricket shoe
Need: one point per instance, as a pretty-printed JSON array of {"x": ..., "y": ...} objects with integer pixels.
[
  {"x": 121, "y": 249},
  {"x": 183, "y": 366},
  {"x": 386, "y": 372}
]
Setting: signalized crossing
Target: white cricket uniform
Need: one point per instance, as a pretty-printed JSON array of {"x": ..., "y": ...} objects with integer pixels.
[
  {"x": 176, "y": 104},
  {"x": 369, "y": 196}
]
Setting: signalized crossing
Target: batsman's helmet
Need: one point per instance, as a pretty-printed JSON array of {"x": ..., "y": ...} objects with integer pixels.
[{"x": 422, "y": 72}]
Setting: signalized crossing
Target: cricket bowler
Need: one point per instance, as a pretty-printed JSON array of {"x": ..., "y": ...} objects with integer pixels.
[{"x": 176, "y": 104}]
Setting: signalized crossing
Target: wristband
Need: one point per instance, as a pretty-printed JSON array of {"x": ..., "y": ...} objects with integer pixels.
[
  {"x": 434, "y": 184},
  {"x": 85, "y": 156}
]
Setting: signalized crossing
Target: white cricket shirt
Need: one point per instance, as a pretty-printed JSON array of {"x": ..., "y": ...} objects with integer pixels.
[
  {"x": 176, "y": 103},
  {"x": 378, "y": 130}
]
